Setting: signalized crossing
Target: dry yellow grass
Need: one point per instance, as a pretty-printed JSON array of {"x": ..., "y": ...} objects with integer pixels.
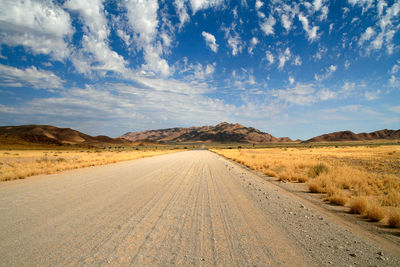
[
  {"x": 345, "y": 174},
  {"x": 394, "y": 218},
  {"x": 19, "y": 164}
]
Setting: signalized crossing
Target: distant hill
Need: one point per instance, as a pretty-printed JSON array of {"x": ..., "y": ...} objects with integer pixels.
[
  {"x": 46, "y": 134},
  {"x": 223, "y": 132},
  {"x": 350, "y": 136}
]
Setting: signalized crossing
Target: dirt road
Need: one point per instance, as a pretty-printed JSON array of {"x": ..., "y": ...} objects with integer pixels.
[{"x": 187, "y": 208}]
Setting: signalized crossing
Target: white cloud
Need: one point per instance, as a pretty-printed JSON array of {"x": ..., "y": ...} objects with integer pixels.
[
  {"x": 143, "y": 20},
  {"x": 199, "y": 72},
  {"x": 210, "y": 41},
  {"x": 268, "y": 25},
  {"x": 283, "y": 57},
  {"x": 318, "y": 4},
  {"x": 320, "y": 53},
  {"x": 286, "y": 22},
  {"x": 297, "y": 61},
  {"x": 328, "y": 73},
  {"x": 235, "y": 13},
  {"x": 252, "y": 80},
  {"x": 393, "y": 81},
  {"x": 331, "y": 27},
  {"x": 346, "y": 64},
  {"x": 291, "y": 80},
  {"x": 365, "y": 4},
  {"x": 95, "y": 53},
  {"x": 29, "y": 77},
  {"x": 235, "y": 44},
  {"x": 381, "y": 5},
  {"x": 43, "y": 27},
  {"x": 385, "y": 27},
  {"x": 327, "y": 94},
  {"x": 233, "y": 39},
  {"x": 270, "y": 57},
  {"x": 348, "y": 86},
  {"x": 312, "y": 34},
  {"x": 204, "y": 4},
  {"x": 253, "y": 43},
  {"x": 372, "y": 95},
  {"x": 258, "y": 4},
  {"x": 182, "y": 12},
  {"x": 287, "y": 13},
  {"x": 367, "y": 35},
  {"x": 301, "y": 94},
  {"x": 396, "y": 67}
]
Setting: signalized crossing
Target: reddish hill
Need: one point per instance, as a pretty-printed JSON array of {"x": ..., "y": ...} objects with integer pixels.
[
  {"x": 223, "y": 132},
  {"x": 350, "y": 136},
  {"x": 45, "y": 134}
]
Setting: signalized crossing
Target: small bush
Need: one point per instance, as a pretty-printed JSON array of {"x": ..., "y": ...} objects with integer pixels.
[
  {"x": 43, "y": 159},
  {"x": 375, "y": 213},
  {"x": 394, "y": 219},
  {"x": 392, "y": 199},
  {"x": 338, "y": 199},
  {"x": 270, "y": 173},
  {"x": 302, "y": 179},
  {"x": 359, "y": 205},
  {"x": 317, "y": 170},
  {"x": 314, "y": 187}
]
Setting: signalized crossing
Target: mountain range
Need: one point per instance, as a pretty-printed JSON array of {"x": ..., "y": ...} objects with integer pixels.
[
  {"x": 51, "y": 135},
  {"x": 223, "y": 133},
  {"x": 350, "y": 136}
]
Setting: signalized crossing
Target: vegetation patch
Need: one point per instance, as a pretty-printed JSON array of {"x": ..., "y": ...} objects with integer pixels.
[
  {"x": 27, "y": 163},
  {"x": 364, "y": 177}
]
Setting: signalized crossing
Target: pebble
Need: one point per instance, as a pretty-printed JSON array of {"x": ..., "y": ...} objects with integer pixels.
[{"x": 353, "y": 255}]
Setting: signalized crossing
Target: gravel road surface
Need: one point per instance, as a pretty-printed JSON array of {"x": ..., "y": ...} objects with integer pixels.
[{"x": 186, "y": 208}]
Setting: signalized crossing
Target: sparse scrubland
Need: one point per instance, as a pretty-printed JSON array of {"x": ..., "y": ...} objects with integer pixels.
[
  {"x": 364, "y": 178},
  {"x": 19, "y": 164}
]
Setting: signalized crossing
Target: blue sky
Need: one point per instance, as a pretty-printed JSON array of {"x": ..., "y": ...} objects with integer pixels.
[{"x": 290, "y": 68}]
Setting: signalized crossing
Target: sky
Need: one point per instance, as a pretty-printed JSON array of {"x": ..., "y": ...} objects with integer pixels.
[{"x": 289, "y": 68}]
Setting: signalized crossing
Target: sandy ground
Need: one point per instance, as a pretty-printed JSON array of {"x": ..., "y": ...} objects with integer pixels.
[{"x": 187, "y": 208}]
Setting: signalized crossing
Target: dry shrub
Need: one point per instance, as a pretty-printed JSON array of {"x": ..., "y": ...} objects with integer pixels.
[
  {"x": 375, "y": 212},
  {"x": 270, "y": 173},
  {"x": 302, "y": 179},
  {"x": 392, "y": 199},
  {"x": 338, "y": 198},
  {"x": 394, "y": 218},
  {"x": 359, "y": 205},
  {"x": 314, "y": 187},
  {"x": 317, "y": 170}
]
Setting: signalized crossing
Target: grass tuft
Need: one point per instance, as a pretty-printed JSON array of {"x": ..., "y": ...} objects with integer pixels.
[
  {"x": 317, "y": 170},
  {"x": 375, "y": 213},
  {"x": 359, "y": 205},
  {"x": 338, "y": 198},
  {"x": 394, "y": 219}
]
